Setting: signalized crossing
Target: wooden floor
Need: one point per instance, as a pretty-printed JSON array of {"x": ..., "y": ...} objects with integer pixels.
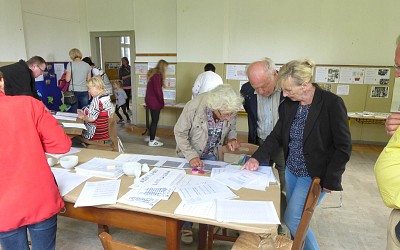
[{"x": 359, "y": 224}]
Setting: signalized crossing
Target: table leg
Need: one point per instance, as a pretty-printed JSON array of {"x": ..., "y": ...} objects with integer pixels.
[
  {"x": 102, "y": 228},
  {"x": 203, "y": 229},
  {"x": 173, "y": 234},
  {"x": 147, "y": 121}
]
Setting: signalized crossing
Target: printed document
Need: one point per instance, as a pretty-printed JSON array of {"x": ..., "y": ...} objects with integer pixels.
[
  {"x": 208, "y": 191},
  {"x": 202, "y": 210},
  {"x": 98, "y": 193},
  {"x": 251, "y": 212},
  {"x": 131, "y": 199}
]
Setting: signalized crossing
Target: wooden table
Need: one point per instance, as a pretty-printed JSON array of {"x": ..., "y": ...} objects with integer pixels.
[{"x": 160, "y": 220}]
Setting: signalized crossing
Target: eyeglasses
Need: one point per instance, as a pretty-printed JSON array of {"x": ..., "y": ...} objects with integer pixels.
[
  {"x": 396, "y": 67},
  {"x": 41, "y": 70}
]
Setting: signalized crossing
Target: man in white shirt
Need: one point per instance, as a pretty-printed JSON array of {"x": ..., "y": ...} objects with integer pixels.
[{"x": 206, "y": 81}]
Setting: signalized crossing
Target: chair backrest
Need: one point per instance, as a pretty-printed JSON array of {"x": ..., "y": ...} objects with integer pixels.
[
  {"x": 308, "y": 211},
  {"x": 245, "y": 148},
  {"x": 113, "y": 136},
  {"x": 110, "y": 244}
]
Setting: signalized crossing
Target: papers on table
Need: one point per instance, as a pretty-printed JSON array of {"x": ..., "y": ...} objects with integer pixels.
[
  {"x": 158, "y": 183},
  {"x": 203, "y": 210},
  {"x": 101, "y": 167},
  {"x": 66, "y": 116},
  {"x": 190, "y": 180},
  {"x": 66, "y": 180},
  {"x": 73, "y": 125},
  {"x": 131, "y": 198},
  {"x": 252, "y": 212},
  {"x": 98, "y": 193},
  {"x": 71, "y": 151},
  {"x": 168, "y": 162},
  {"x": 203, "y": 192}
]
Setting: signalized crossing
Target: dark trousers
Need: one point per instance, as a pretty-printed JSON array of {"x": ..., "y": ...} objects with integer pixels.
[
  {"x": 123, "y": 110},
  {"x": 128, "y": 94},
  {"x": 155, "y": 116}
]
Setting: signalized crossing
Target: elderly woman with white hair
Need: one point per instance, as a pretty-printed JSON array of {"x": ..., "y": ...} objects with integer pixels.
[{"x": 206, "y": 122}]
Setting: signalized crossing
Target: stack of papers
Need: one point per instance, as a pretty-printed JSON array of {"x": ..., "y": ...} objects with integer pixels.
[
  {"x": 98, "y": 193},
  {"x": 205, "y": 192},
  {"x": 203, "y": 210},
  {"x": 101, "y": 167},
  {"x": 73, "y": 125},
  {"x": 252, "y": 212},
  {"x": 66, "y": 116}
]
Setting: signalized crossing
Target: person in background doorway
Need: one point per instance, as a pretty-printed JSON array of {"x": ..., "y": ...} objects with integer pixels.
[
  {"x": 78, "y": 73},
  {"x": 206, "y": 122},
  {"x": 315, "y": 136},
  {"x": 125, "y": 75},
  {"x": 19, "y": 78},
  {"x": 206, "y": 81},
  {"x": 155, "y": 98},
  {"x": 29, "y": 196},
  {"x": 96, "y": 71},
  {"x": 120, "y": 97}
]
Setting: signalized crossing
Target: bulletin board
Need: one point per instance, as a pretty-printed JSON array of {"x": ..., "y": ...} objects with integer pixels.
[{"x": 46, "y": 86}]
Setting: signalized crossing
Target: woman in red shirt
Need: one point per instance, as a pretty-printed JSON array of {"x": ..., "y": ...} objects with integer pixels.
[
  {"x": 29, "y": 196},
  {"x": 155, "y": 98}
]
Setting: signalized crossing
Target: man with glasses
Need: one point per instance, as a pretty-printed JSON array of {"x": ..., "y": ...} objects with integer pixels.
[
  {"x": 261, "y": 101},
  {"x": 19, "y": 78}
]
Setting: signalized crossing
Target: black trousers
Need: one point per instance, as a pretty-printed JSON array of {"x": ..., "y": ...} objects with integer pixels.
[
  {"x": 155, "y": 116},
  {"x": 123, "y": 110},
  {"x": 128, "y": 94}
]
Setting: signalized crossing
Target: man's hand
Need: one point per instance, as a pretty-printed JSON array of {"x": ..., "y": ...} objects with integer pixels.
[
  {"x": 233, "y": 144},
  {"x": 252, "y": 164},
  {"x": 196, "y": 162},
  {"x": 392, "y": 123}
]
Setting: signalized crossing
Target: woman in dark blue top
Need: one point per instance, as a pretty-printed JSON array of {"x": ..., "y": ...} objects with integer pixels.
[{"x": 315, "y": 136}]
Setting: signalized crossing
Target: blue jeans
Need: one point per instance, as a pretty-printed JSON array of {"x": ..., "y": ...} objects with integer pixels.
[
  {"x": 187, "y": 224},
  {"x": 43, "y": 236},
  {"x": 82, "y": 98},
  {"x": 296, "y": 193}
]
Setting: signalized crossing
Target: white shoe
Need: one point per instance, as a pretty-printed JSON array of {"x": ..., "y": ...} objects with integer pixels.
[
  {"x": 155, "y": 143},
  {"x": 147, "y": 138}
]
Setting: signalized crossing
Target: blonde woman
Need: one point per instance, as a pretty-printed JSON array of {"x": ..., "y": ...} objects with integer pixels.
[
  {"x": 314, "y": 133},
  {"x": 95, "y": 116},
  {"x": 155, "y": 98},
  {"x": 77, "y": 73}
]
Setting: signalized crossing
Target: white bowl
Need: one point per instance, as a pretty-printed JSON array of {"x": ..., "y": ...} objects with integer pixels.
[
  {"x": 69, "y": 161},
  {"x": 132, "y": 169},
  {"x": 51, "y": 161}
]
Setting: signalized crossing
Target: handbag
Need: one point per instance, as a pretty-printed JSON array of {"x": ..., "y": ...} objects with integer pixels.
[{"x": 69, "y": 96}]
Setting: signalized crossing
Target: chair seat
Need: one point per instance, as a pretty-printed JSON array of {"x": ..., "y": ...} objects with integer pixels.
[{"x": 252, "y": 241}]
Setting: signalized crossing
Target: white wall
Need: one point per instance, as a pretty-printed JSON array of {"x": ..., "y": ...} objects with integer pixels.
[{"x": 12, "y": 42}]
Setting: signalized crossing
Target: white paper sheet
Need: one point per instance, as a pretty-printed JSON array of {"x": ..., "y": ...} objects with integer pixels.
[
  {"x": 203, "y": 210},
  {"x": 71, "y": 151},
  {"x": 152, "y": 192},
  {"x": 190, "y": 180},
  {"x": 58, "y": 70},
  {"x": 67, "y": 114},
  {"x": 343, "y": 89},
  {"x": 101, "y": 167},
  {"x": 131, "y": 199},
  {"x": 252, "y": 212},
  {"x": 327, "y": 74},
  {"x": 141, "y": 92},
  {"x": 73, "y": 125},
  {"x": 236, "y": 179},
  {"x": 159, "y": 177},
  {"x": 65, "y": 118},
  {"x": 236, "y": 72},
  {"x": 66, "y": 180},
  {"x": 351, "y": 75},
  {"x": 98, "y": 193},
  {"x": 205, "y": 192},
  {"x": 169, "y": 94}
]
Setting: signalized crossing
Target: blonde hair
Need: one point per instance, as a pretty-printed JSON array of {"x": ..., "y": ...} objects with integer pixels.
[
  {"x": 224, "y": 98},
  {"x": 159, "y": 69},
  {"x": 96, "y": 82},
  {"x": 75, "y": 53},
  {"x": 118, "y": 83},
  {"x": 299, "y": 71}
]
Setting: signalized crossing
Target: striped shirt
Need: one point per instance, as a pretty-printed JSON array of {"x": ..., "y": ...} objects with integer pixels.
[{"x": 99, "y": 109}]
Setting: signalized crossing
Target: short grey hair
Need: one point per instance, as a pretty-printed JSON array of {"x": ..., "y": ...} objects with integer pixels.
[
  {"x": 398, "y": 41},
  {"x": 269, "y": 65},
  {"x": 224, "y": 98}
]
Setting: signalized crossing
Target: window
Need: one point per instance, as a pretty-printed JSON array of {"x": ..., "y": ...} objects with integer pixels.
[{"x": 125, "y": 47}]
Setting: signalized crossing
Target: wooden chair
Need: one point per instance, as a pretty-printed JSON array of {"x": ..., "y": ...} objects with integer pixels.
[
  {"x": 252, "y": 241},
  {"x": 110, "y": 244},
  {"x": 110, "y": 144},
  {"x": 217, "y": 233}
]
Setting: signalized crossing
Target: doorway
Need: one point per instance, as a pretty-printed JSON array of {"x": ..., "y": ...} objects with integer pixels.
[{"x": 108, "y": 47}]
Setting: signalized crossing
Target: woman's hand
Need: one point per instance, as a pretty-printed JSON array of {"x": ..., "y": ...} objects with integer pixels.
[
  {"x": 233, "y": 144},
  {"x": 81, "y": 114},
  {"x": 252, "y": 164},
  {"x": 392, "y": 123},
  {"x": 196, "y": 162}
]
